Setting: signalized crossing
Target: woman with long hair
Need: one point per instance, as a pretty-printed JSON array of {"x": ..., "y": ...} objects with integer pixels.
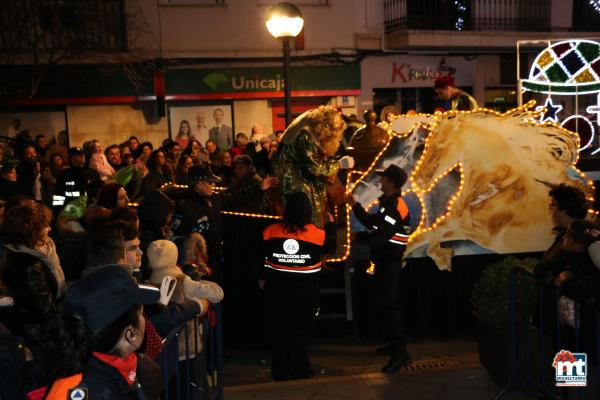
[
  {"x": 225, "y": 172},
  {"x": 158, "y": 174},
  {"x": 57, "y": 164},
  {"x": 92, "y": 339},
  {"x": 134, "y": 145},
  {"x": 146, "y": 149},
  {"x": 184, "y": 133},
  {"x": 31, "y": 269},
  {"x": 198, "y": 153},
  {"x": 183, "y": 165},
  {"x": 294, "y": 250}
]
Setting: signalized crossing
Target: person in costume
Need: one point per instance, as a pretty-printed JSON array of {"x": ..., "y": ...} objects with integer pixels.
[
  {"x": 306, "y": 157},
  {"x": 445, "y": 88}
]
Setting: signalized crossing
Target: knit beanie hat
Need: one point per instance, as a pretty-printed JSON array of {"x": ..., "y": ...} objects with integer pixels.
[
  {"x": 162, "y": 254},
  {"x": 444, "y": 81}
]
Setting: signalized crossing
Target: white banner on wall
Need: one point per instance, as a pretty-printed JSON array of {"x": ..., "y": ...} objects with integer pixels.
[{"x": 405, "y": 71}]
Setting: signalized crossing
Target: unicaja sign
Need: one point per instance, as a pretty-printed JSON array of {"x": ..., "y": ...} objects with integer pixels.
[{"x": 571, "y": 368}]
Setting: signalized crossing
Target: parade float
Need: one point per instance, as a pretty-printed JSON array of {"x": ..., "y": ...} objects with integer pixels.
[{"x": 479, "y": 180}]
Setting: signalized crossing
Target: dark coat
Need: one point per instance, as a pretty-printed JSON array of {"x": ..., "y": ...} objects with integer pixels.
[
  {"x": 18, "y": 376},
  {"x": 196, "y": 213},
  {"x": 26, "y": 177},
  {"x": 71, "y": 184},
  {"x": 262, "y": 163},
  {"x": 153, "y": 212},
  {"x": 154, "y": 180},
  {"x": 105, "y": 383},
  {"x": 33, "y": 287},
  {"x": 166, "y": 318},
  {"x": 388, "y": 229},
  {"x": 585, "y": 284},
  {"x": 8, "y": 189}
]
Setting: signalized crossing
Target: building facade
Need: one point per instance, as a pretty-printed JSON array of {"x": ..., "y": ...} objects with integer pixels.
[{"x": 122, "y": 67}]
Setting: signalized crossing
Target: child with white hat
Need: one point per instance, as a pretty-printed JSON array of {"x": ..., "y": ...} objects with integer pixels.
[{"x": 162, "y": 258}]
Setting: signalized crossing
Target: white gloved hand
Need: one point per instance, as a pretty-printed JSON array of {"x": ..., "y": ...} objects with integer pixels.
[
  {"x": 167, "y": 287},
  {"x": 346, "y": 162}
]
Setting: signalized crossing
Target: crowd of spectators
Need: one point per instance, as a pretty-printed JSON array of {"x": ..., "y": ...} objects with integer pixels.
[
  {"x": 81, "y": 228},
  {"x": 80, "y": 231}
]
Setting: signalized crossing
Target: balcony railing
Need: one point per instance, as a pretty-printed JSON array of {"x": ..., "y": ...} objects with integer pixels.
[
  {"x": 529, "y": 15},
  {"x": 585, "y": 17}
]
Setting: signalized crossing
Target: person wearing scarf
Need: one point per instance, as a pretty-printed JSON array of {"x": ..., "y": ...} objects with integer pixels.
[
  {"x": 93, "y": 339},
  {"x": 32, "y": 273}
]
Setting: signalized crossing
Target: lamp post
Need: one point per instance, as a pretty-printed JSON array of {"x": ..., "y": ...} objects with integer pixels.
[{"x": 284, "y": 21}]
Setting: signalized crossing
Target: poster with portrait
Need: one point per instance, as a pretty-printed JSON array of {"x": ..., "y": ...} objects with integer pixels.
[{"x": 202, "y": 123}]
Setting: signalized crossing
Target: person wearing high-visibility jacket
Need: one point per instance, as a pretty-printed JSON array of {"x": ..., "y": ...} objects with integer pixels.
[
  {"x": 387, "y": 239},
  {"x": 294, "y": 252}
]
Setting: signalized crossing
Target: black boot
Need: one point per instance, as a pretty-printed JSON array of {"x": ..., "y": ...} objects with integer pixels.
[
  {"x": 385, "y": 350},
  {"x": 399, "y": 357}
]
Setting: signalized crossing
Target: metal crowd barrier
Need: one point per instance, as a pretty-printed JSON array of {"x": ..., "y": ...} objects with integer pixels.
[
  {"x": 531, "y": 348},
  {"x": 199, "y": 376}
]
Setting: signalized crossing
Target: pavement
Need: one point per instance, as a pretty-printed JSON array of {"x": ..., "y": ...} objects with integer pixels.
[{"x": 347, "y": 369}]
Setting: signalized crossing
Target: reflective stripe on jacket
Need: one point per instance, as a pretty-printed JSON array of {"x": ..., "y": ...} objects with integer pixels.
[
  {"x": 299, "y": 252},
  {"x": 388, "y": 228}
]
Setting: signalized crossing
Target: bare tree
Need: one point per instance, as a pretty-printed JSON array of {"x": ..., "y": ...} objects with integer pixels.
[{"x": 37, "y": 35}]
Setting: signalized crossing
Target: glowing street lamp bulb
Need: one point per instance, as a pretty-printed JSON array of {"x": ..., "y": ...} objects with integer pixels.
[
  {"x": 284, "y": 26},
  {"x": 284, "y": 20}
]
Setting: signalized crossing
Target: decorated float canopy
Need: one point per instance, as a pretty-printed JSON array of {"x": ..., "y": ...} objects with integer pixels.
[
  {"x": 479, "y": 180},
  {"x": 566, "y": 67}
]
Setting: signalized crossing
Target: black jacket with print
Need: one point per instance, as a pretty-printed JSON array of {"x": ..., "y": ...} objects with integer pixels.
[{"x": 388, "y": 228}]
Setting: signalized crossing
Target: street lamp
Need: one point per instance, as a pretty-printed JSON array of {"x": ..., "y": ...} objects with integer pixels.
[{"x": 285, "y": 21}]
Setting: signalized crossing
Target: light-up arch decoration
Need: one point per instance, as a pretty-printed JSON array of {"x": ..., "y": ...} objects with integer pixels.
[{"x": 567, "y": 68}]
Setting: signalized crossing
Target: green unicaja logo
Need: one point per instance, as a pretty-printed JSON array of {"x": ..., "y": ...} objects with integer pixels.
[{"x": 215, "y": 79}]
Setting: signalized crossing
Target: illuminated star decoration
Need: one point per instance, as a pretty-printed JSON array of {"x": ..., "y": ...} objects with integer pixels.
[
  {"x": 595, "y": 4},
  {"x": 551, "y": 111}
]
